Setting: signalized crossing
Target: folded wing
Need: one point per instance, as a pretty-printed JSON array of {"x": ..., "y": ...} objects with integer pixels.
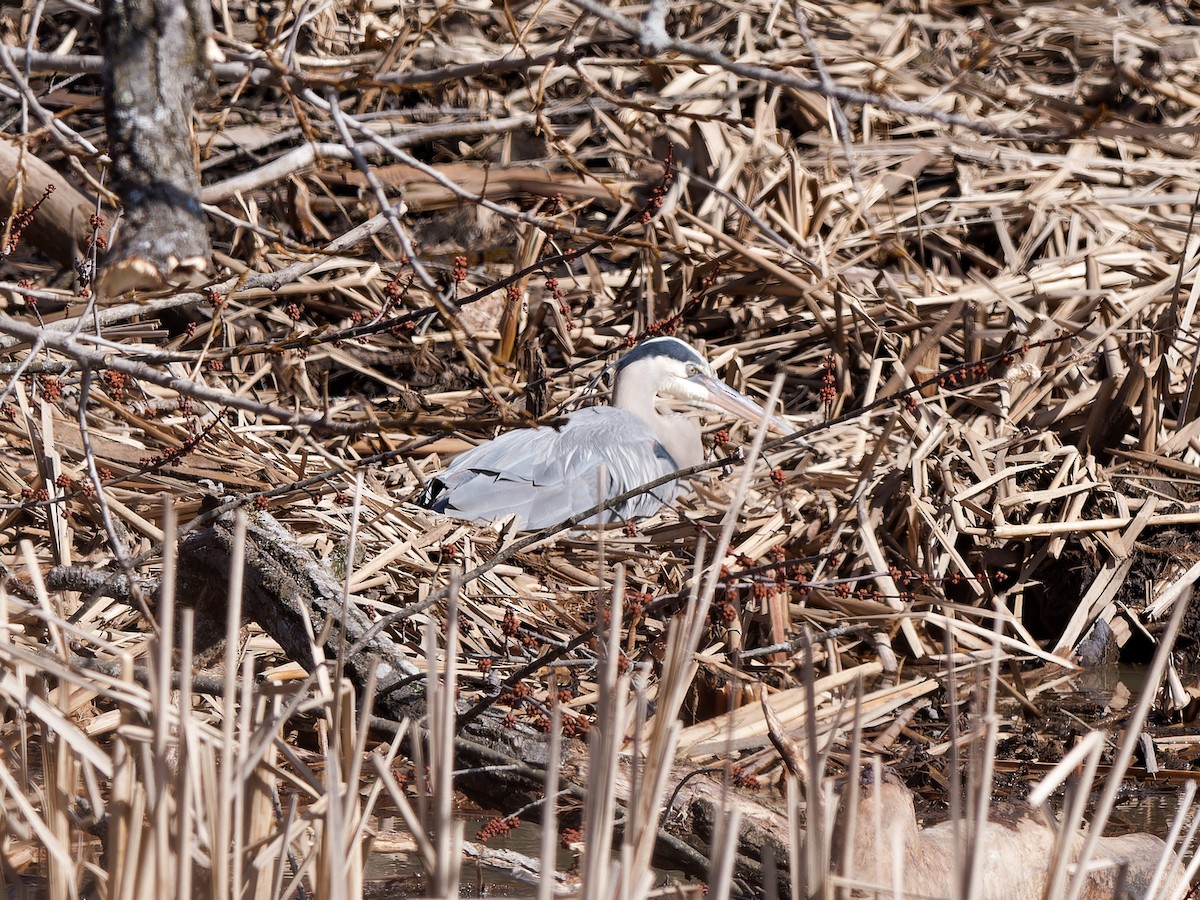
[{"x": 546, "y": 475}]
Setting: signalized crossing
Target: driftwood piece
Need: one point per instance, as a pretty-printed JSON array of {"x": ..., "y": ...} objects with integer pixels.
[
  {"x": 1017, "y": 851},
  {"x": 155, "y": 63},
  {"x": 61, "y": 226},
  {"x": 289, "y": 593}
]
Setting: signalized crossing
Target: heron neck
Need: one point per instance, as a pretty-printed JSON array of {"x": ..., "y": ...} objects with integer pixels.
[
  {"x": 638, "y": 395},
  {"x": 680, "y": 436}
]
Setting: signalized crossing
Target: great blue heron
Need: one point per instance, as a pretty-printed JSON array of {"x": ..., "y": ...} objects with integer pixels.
[{"x": 545, "y": 475}]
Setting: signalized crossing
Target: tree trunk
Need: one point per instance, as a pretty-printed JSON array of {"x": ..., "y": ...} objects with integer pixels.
[{"x": 155, "y": 63}]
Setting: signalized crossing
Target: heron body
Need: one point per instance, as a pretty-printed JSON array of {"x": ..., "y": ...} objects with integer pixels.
[{"x": 545, "y": 475}]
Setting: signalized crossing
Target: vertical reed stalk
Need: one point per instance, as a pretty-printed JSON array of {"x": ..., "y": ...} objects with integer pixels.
[
  {"x": 548, "y": 855},
  {"x": 222, "y": 886},
  {"x": 600, "y": 881},
  {"x": 442, "y": 690}
]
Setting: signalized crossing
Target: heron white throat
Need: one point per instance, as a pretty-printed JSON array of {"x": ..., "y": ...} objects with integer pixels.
[{"x": 546, "y": 475}]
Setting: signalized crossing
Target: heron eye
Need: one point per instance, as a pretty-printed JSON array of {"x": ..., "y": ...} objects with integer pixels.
[{"x": 693, "y": 369}]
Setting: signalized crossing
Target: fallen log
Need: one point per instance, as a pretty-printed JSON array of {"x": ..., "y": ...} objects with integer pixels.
[
  {"x": 1017, "y": 853},
  {"x": 62, "y": 224}
]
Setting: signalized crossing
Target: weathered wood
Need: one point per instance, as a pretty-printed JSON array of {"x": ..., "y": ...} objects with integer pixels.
[
  {"x": 422, "y": 191},
  {"x": 1017, "y": 852},
  {"x": 290, "y": 594},
  {"x": 155, "y": 64},
  {"x": 62, "y": 224}
]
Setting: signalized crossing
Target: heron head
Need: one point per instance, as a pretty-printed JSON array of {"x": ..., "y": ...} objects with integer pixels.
[{"x": 674, "y": 369}]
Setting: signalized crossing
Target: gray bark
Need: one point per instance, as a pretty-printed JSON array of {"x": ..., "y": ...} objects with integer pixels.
[{"x": 155, "y": 65}]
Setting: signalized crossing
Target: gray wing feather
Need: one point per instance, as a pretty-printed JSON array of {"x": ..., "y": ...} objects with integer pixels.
[{"x": 545, "y": 475}]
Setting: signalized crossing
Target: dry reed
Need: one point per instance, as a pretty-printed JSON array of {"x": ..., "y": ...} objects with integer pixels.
[{"x": 963, "y": 238}]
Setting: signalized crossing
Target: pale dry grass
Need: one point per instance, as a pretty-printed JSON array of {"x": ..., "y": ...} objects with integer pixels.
[{"x": 980, "y": 217}]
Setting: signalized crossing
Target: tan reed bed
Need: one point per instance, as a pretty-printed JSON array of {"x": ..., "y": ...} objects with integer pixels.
[
  {"x": 962, "y": 234},
  {"x": 178, "y": 793}
]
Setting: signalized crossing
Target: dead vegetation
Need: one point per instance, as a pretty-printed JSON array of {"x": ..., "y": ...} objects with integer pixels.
[{"x": 961, "y": 237}]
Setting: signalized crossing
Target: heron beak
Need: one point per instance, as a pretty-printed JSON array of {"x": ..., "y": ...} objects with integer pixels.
[{"x": 721, "y": 396}]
